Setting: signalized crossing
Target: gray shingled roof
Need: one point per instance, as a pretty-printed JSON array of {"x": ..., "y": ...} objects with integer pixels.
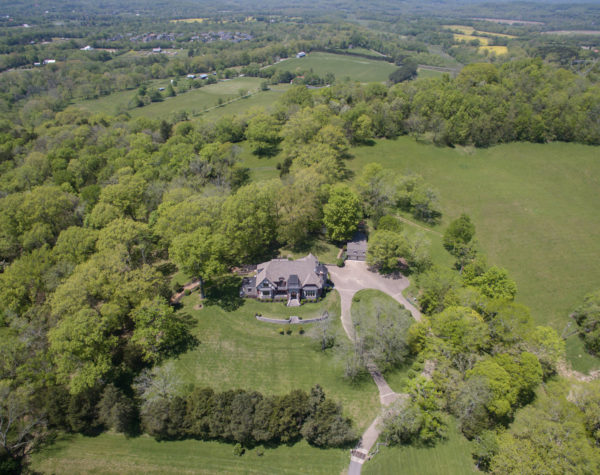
[
  {"x": 307, "y": 270},
  {"x": 358, "y": 245}
]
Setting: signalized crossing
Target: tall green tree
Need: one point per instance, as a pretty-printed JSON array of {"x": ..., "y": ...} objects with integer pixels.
[{"x": 342, "y": 213}]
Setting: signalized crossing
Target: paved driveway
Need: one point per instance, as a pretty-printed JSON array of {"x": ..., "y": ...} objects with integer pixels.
[{"x": 355, "y": 276}]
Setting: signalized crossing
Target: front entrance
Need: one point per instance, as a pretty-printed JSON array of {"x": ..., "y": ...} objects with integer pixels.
[{"x": 293, "y": 295}]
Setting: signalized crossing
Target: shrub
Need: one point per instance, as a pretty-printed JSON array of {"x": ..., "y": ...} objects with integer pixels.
[
  {"x": 187, "y": 292},
  {"x": 281, "y": 331},
  {"x": 177, "y": 287},
  {"x": 288, "y": 330},
  {"x": 238, "y": 450},
  {"x": 260, "y": 451},
  {"x": 301, "y": 330},
  {"x": 340, "y": 262}
]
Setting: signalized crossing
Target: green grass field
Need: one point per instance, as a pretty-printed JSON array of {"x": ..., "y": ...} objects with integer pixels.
[
  {"x": 535, "y": 208},
  {"x": 237, "y": 351},
  {"x": 341, "y": 65},
  {"x": 193, "y": 101},
  {"x": 451, "y": 457},
  {"x": 112, "y": 453}
]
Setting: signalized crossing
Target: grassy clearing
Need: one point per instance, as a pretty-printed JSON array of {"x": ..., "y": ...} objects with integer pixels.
[
  {"x": 192, "y": 101},
  {"x": 469, "y": 30},
  {"x": 324, "y": 250},
  {"x": 451, "y": 457},
  {"x": 535, "y": 209},
  {"x": 237, "y": 351},
  {"x": 114, "y": 453},
  {"x": 498, "y": 50},
  {"x": 429, "y": 73},
  {"x": 466, "y": 38},
  {"x": 342, "y": 65}
]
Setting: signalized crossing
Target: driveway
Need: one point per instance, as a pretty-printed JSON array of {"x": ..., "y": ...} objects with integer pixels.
[
  {"x": 355, "y": 276},
  {"x": 348, "y": 280}
]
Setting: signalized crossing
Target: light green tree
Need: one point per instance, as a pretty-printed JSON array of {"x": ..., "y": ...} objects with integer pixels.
[{"x": 342, "y": 213}]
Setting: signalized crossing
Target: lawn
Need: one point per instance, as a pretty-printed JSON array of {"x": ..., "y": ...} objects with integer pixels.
[
  {"x": 114, "y": 453},
  {"x": 429, "y": 73},
  {"x": 451, "y": 457},
  {"x": 498, "y": 50},
  {"x": 535, "y": 208},
  {"x": 341, "y": 65},
  {"x": 237, "y": 351}
]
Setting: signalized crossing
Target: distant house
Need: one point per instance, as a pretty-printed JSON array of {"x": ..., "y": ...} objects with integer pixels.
[
  {"x": 157, "y": 50},
  {"x": 356, "y": 249},
  {"x": 87, "y": 48},
  {"x": 204, "y": 76},
  {"x": 49, "y": 61},
  {"x": 301, "y": 54},
  {"x": 191, "y": 76},
  {"x": 282, "y": 279}
]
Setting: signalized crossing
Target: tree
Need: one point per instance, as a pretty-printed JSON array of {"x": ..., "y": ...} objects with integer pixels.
[
  {"x": 263, "y": 134},
  {"x": 116, "y": 411},
  {"x": 546, "y": 437},
  {"x": 385, "y": 249},
  {"x": 587, "y": 316},
  {"x": 496, "y": 284},
  {"x": 373, "y": 190},
  {"x": 342, "y": 213},
  {"x": 458, "y": 239}
]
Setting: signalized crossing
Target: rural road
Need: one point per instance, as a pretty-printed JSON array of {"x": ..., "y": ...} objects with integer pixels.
[{"x": 348, "y": 280}]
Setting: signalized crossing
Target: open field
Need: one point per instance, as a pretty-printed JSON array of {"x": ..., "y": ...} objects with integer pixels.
[
  {"x": 112, "y": 453},
  {"x": 535, "y": 209},
  {"x": 342, "y": 65},
  {"x": 498, "y": 50},
  {"x": 192, "y": 101},
  {"x": 467, "y": 38},
  {"x": 469, "y": 30},
  {"x": 237, "y": 351},
  {"x": 429, "y": 73},
  {"x": 451, "y": 457}
]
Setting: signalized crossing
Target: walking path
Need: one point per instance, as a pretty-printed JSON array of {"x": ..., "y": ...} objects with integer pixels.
[{"x": 348, "y": 280}]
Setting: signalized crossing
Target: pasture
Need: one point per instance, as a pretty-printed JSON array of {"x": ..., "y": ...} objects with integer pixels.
[
  {"x": 469, "y": 30},
  {"x": 111, "y": 453},
  {"x": 341, "y": 65},
  {"x": 535, "y": 210},
  {"x": 194, "y": 101}
]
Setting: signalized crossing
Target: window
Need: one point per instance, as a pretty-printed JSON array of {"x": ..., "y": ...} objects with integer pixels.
[{"x": 310, "y": 293}]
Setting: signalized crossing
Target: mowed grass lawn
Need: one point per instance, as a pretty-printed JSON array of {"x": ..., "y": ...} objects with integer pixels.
[
  {"x": 238, "y": 351},
  {"x": 450, "y": 457},
  {"x": 535, "y": 207},
  {"x": 112, "y": 453},
  {"x": 341, "y": 65}
]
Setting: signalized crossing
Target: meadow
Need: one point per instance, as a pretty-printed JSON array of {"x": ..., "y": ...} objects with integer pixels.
[
  {"x": 497, "y": 50},
  {"x": 461, "y": 38},
  {"x": 194, "y": 101},
  {"x": 535, "y": 210},
  {"x": 341, "y": 65}
]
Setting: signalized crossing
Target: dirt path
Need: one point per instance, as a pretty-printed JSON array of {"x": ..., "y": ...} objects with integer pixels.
[
  {"x": 191, "y": 286},
  {"x": 348, "y": 280},
  {"x": 569, "y": 373},
  {"x": 417, "y": 225}
]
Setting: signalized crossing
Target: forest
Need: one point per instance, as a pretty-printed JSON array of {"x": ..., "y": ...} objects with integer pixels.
[{"x": 103, "y": 215}]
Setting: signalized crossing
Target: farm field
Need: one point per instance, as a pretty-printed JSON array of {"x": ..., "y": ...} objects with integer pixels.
[
  {"x": 466, "y": 38},
  {"x": 546, "y": 231},
  {"x": 429, "y": 73},
  {"x": 450, "y": 457},
  {"x": 498, "y": 50},
  {"x": 237, "y": 351},
  {"x": 469, "y": 30},
  {"x": 192, "y": 101},
  {"x": 111, "y": 453},
  {"x": 341, "y": 65}
]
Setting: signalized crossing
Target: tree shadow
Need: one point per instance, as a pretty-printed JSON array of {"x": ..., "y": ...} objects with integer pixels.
[{"x": 224, "y": 291}]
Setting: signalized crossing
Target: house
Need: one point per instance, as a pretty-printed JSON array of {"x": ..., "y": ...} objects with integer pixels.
[
  {"x": 87, "y": 48},
  {"x": 356, "y": 249},
  {"x": 204, "y": 76},
  {"x": 191, "y": 76},
  {"x": 49, "y": 61},
  {"x": 282, "y": 279},
  {"x": 301, "y": 54},
  {"x": 157, "y": 50}
]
